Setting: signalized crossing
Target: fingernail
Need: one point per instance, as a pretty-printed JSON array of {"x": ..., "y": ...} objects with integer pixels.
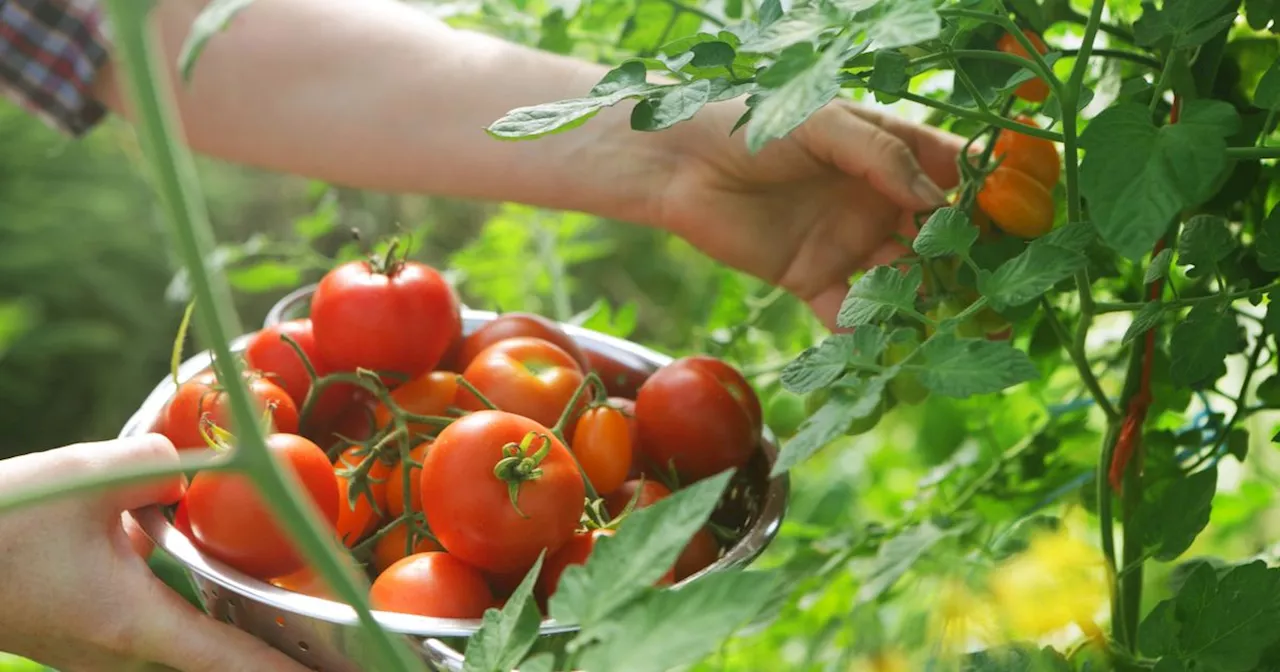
[{"x": 928, "y": 192}]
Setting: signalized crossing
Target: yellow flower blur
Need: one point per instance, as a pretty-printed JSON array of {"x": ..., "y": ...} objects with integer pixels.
[
  {"x": 1057, "y": 582},
  {"x": 962, "y": 619}
]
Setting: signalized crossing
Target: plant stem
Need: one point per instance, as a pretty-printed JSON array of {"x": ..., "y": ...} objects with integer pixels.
[
  {"x": 174, "y": 172},
  {"x": 1081, "y": 361},
  {"x": 1119, "y": 54},
  {"x": 126, "y": 475},
  {"x": 965, "y": 113},
  {"x": 1012, "y": 28},
  {"x": 1105, "y": 516},
  {"x": 1253, "y": 152},
  {"x": 700, "y": 13},
  {"x": 1161, "y": 81},
  {"x": 954, "y": 54},
  {"x": 1112, "y": 30},
  {"x": 1188, "y": 302}
]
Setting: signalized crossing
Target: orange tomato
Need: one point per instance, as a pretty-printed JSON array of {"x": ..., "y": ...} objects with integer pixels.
[
  {"x": 395, "y": 482},
  {"x": 1035, "y": 90},
  {"x": 358, "y": 521},
  {"x": 429, "y": 394},
  {"x": 602, "y": 444},
  {"x": 1036, "y": 157},
  {"x": 1017, "y": 203}
]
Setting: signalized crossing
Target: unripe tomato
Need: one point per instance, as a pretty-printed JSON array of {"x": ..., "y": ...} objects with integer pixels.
[
  {"x": 201, "y": 397},
  {"x": 390, "y": 547},
  {"x": 602, "y": 444},
  {"x": 395, "y": 481},
  {"x": 949, "y": 308},
  {"x": 785, "y": 413},
  {"x": 515, "y": 325},
  {"x": 432, "y": 584},
  {"x": 699, "y": 414},
  {"x": 868, "y": 422},
  {"x": 1017, "y": 203},
  {"x": 906, "y": 386},
  {"x": 523, "y": 375},
  {"x": 1034, "y": 90},
  {"x": 358, "y": 519},
  {"x": 1036, "y": 157},
  {"x": 431, "y": 393}
]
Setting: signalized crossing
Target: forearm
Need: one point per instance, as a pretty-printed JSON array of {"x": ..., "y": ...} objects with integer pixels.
[{"x": 374, "y": 94}]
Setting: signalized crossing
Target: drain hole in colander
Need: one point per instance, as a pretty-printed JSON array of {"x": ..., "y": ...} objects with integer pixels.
[
  {"x": 304, "y": 646},
  {"x": 280, "y": 621}
]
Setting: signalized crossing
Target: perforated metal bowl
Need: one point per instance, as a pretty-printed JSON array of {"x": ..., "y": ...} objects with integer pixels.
[{"x": 324, "y": 635}]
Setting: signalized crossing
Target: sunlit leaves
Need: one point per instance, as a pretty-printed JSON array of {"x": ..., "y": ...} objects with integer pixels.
[
  {"x": 670, "y": 105},
  {"x": 213, "y": 19},
  {"x": 845, "y": 404},
  {"x": 1029, "y": 275},
  {"x": 956, "y": 367},
  {"x": 810, "y": 83},
  {"x": 1143, "y": 321},
  {"x": 1199, "y": 345},
  {"x": 804, "y": 24},
  {"x": 1186, "y": 23},
  {"x": 879, "y": 295},
  {"x": 900, "y": 23},
  {"x": 890, "y": 73},
  {"x": 1158, "y": 269},
  {"x": 820, "y": 366},
  {"x": 897, "y": 555},
  {"x": 948, "y": 231},
  {"x": 1173, "y": 512},
  {"x": 506, "y": 635},
  {"x": 626, "y": 81},
  {"x": 1137, "y": 177}
]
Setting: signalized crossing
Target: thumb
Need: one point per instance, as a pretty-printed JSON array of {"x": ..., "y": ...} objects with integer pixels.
[{"x": 151, "y": 449}]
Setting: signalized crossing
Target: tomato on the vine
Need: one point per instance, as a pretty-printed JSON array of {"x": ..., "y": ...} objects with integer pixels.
[
  {"x": 785, "y": 413},
  {"x": 395, "y": 481},
  {"x": 1034, "y": 90},
  {"x": 202, "y": 397},
  {"x": 429, "y": 394},
  {"x": 602, "y": 443},
  {"x": 500, "y": 524},
  {"x": 523, "y": 375},
  {"x": 818, "y": 398},
  {"x": 232, "y": 522},
  {"x": 390, "y": 547},
  {"x": 517, "y": 325},
  {"x": 398, "y": 319},
  {"x": 432, "y": 584},
  {"x": 1034, "y": 156},
  {"x": 620, "y": 378},
  {"x": 699, "y": 414},
  {"x": 575, "y": 552},
  {"x": 358, "y": 519},
  {"x": 1018, "y": 203},
  {"x": 268, "y": 352},
  {"x": 906, "y": 386}
]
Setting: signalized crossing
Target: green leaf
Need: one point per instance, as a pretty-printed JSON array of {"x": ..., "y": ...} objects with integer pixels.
[
  {"x": 1271, "y": 323},
  {"x": 901, "y": 23},
  {"x": 890, "y": 73},
  {"x": 1174, "y": 511},
  {"x": 1017, "y": 657},
  {"x": 1137, "y": 177},
  {"x": 670, "y": 105},
  {"x": 801, "y": 26},
  {"x": 1199, "y": 345},
  {"x": 1267, "y": 94},
  {"x": 1146, "y": 318},
  {"x": 1158, "y": 269},
  {"x": 668, "y": 629},
  {"x": 1260, "y": 13},
  {"x": 264, "y": 276},
  {"x": 844, "y": 405},
  {"x": 787, "y": 106},
  {"x": 1267, "y": 242},
  {"x": 506, "y": 636},
  {"x": 958, "y": 367},
  {"x": 542, "y": 662},
  {"x": 820, "y": 366},
  {"x": 770, "y": 12},
  {"x": 1029, "y": 275},
  {"x": 1205, "y": 241},
  {"x": 645, "y": 546},
  {"x": 948, "y": 231},
  {"x": 524, "y": 123},
  {"x": 1221, "y": 623},
  {"x": 896, "y": 556},
  {"x": 878, "y": 295},
  {"x": 212, "y": 20},
  {"x": 1187, "y": 22}
]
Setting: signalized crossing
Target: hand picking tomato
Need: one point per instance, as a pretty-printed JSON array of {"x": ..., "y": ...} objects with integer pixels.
[
  {"x": 359, "y": 518},
  {"x": 602, "y": 443},
  {"x": 399, "y": 319},
  {"x": 233, "y": 523},
  {"x": 200, "y": 397},
  {"x": 395, "y": 481},
  {"x": 1034, "y": 90},
  {"x": 432, "y": 584},
  {"x": 650, "y": 491},
  {"x": 575, "y": 552},
  {"x": 501, "y": 524},
  {"x": 1017, "y": 203},
  {"x": 620, "y": 379},
  {"x": 390, "y": 547},
  {"x": 1036, "y": 157},
  {"x": 523, "y": 375},
  {"x": 431, "y": 393},
  {"x": 699, "y": 414},
  {"x": 516, "y": 325}
]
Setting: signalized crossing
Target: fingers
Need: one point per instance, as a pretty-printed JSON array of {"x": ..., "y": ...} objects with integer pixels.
[
  {"x": 149, "y": 449},
  {"x": 936, "y": 150},
  {"x": 177, "y": 635},
  {"x": 826, "y": 305},
  {"x": 138, "y": 540}
]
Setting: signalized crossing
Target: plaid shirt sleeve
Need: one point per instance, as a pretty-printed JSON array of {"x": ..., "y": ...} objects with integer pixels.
[{"x": 50, "y": 52}]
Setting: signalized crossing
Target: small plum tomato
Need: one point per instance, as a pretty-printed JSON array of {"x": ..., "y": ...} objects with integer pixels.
[
  {"x": 432, "y": 394},
  {"x": 515, "y": 325},
  {"x": 432, "y": 584},
  {"x": 575, "y": 552},
  {"x": 701, "y": 552},
  {"x": 1034, "y": 156},
  {"x": 523, "y": 375},
  {"x": 650, "y": 491},
  {"x": 620, "y": 378},
  {"x": 1017, "y": 203},
  {"x": 602, "y": 443},
  {"x": 1034, "y": 90}
]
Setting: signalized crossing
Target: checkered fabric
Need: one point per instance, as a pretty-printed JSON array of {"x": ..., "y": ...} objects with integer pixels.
[{"x": 50, "y": 51}]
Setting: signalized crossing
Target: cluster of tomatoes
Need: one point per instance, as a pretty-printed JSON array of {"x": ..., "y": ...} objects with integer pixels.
[{"x": 450, "y": 462}]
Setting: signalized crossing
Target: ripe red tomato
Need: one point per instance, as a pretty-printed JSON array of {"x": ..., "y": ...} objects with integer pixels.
[
  {"x": 306, "y": 582},
  {"x": 1034, "y": 90},
  {"x": 650, "y": 492},
  {"x": 182, "y": 520},
  {"x": 1017, "y": 203},
  {"x": 233, "y": 523},
  {"x": 390, "y": 548},
  {"x": 429, "y": 394},
  {"x": 1036, "y": 157},
  {"x": 200, "y": 396},
  {"x": 355, "y": 522},
  {"x": 701, "y": 552},
  {"x": 401, "y": 320},
  {"x": 575, "y": 552},
  {"x": 395, "y": 482},
  {"x": 432, "y": 584},
  {"x": 699, "y": 414},
  {"x": 602, "y": 444},
  {"x": 471, "y": 512},
  {"x": 523, "y": 375},
  {"x": 515, "y": 325},
  {"x": 620, "y": 379}
]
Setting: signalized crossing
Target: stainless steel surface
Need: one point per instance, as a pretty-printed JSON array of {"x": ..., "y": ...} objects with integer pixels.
[{"x": 323, "y": 634}]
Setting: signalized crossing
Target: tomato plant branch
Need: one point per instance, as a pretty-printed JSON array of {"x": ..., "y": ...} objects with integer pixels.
[
  {"x": 955, "y": 54},
  {"x": 698, "y": 12},
  {"x": 1240, "y": 401},
  {"x": 965, "y": 113},
  {"x": 1161, "y": 81},
  {"x": 1119, "y": 54},
  {"x": 1253, "y": 152},
  {"x": 1081, "y": 361},
  {"x": 1075, "y": 81},
  {"x": 1192, "y": 301},
  {"x": 466, "y": 384},
  {"x": 1108, "y": 28},
  {"x": 1010, "y": 27}
]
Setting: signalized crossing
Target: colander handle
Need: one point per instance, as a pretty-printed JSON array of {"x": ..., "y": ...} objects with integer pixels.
[{"x": 442, "y": 657}]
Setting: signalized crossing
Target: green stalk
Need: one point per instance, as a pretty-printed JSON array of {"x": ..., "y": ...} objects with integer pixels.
[
  {"x": 176, "y": 182},
  {"x": 130, "y": 474}
]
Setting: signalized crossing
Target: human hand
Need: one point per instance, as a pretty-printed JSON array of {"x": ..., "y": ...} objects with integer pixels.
[
  {"x": 78, "y": 595},
  {"x": 812, "y": 208}
]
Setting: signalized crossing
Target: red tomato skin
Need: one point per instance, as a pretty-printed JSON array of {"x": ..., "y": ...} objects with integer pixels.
[
  {"x": 432, "y": 584},
  {"x": 432, "y": 393},
  {"x": 620, "y": 379},
  {"x": 197, "y": 397},
  {"x": 182, "y": 520},
  {"x": 700, "y": 414},
  {"x": 269, "y": 353},
  {"x": 233, "y": 524},
  {"x": 523, "y": 375},
  {"x": 515, "y": 325},
  {"x": 357, "y": 522},
  {"x": 398, "y": 322},
  {"x": 702, "y": 551},
  {"x": 602, "y": 443},
  {"x": 389, "y": 548},
  {"x": 573, "y": 552},
  {"x": 650, "y": 492},
  {"x": 477, "y": 522}
]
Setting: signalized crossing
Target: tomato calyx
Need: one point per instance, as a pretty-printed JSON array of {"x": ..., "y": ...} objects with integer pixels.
[
  {"x": 517, "y": 466},
  {"x": 390, "y": 262}
]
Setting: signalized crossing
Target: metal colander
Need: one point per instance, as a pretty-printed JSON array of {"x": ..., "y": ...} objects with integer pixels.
[{"x": 324, "y": 635}]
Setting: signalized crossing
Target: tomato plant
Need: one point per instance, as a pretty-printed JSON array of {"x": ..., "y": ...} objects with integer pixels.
[{"x": 360, "y": 509}]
